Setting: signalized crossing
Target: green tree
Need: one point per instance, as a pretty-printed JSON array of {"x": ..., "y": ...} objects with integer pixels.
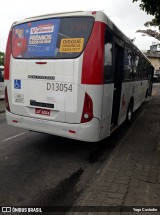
[
  {"x": 1, "y": 58},
  {"x": 150, "y": 32},
  {"x": 152, "y": 7}
]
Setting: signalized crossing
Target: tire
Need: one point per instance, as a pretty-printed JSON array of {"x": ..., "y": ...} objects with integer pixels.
[{"x": 129, "y": 113}]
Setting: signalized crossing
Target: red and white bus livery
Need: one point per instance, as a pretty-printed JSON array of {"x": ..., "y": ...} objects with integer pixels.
[{"x": 72, "y": 74}]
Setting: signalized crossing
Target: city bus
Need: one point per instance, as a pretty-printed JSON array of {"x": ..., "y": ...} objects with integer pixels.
[
  {"x": 1, "y": 82},
  {"x": 73, "y": 75}
]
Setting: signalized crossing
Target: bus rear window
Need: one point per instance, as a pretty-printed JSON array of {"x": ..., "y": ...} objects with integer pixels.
[{"x": 51, "y": 38}]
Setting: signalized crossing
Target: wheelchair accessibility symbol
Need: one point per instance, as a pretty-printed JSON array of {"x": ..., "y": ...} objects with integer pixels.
[{"x": 17, "y": 84}]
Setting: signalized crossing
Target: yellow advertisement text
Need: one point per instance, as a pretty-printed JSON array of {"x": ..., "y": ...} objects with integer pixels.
[{"x": 71, "y": 45}]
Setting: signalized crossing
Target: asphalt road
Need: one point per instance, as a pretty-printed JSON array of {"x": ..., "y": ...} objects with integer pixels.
[{"x": 41, "y": 169}]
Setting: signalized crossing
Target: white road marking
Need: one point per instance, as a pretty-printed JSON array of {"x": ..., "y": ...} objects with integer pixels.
[{"x": 10, "y": 138}]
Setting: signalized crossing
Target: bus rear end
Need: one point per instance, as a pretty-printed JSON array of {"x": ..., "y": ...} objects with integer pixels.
[{"x": 49, "y": 85}]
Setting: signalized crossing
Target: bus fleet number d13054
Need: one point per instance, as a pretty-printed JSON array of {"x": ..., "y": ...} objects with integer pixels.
[{"x": 59, "y": 87}]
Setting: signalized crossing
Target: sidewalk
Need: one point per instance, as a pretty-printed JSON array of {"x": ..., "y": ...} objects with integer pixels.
[{"x": 131, "y": 175}]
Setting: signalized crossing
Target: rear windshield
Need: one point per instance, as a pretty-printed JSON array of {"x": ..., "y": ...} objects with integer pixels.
[{"x": 51, "y": 38}]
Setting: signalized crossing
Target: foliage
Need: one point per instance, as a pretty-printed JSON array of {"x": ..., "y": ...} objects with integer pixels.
[
  {"x": 150, "y": 32},
  {"x": 151, "y": 23},
  {"x": 1, "y": 58},
  {"x": 152, "y": 7}
]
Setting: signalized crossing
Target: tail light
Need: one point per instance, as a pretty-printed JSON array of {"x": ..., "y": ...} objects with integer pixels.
[
  {"x": 94, "y": 12},
  {"x": 7, "y": 57},
  {"x": 6, "y": 100},
  {"x": 87, "y": 114}
]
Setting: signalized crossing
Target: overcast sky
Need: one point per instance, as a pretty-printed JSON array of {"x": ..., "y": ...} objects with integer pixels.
[{"x": 125, "y": 14}]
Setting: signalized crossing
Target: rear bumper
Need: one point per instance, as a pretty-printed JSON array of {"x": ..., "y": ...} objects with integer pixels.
[{"x": 85, "y": 131}]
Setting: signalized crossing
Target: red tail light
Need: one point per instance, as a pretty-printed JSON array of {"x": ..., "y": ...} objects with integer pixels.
[
  {"x": 6, "y": 100},
  {"x": 87, "y": 114},
  {"x": 94, "y": 12},
  {"x": 7, "y": 57}
]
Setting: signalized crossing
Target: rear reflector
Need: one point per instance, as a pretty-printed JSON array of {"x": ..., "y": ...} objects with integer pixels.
[
  {"x": 87, "y": 114},
  {"x": 6, "y": 100},
  {"x": 72, "y": 131},
  {"x": 41, "y": 63},
  {"x": 14, "y": 121}
]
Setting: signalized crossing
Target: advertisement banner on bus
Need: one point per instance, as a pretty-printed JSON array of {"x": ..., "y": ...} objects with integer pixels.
[{"x": 35, "y": 38}]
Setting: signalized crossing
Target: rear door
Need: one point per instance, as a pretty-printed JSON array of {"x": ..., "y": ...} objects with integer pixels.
[
  {"x": 118, "y": 75},
  {"x": 46, "y": 67}
]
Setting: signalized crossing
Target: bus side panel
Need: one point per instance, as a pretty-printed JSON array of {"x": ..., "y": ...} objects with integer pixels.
[
  {"x": 145, "y": 86},
  {"x": 126, "y": 94},
  {"x": 140, "y": 88},
  {"x": 106, "y": 110},
  {"x": 137, "y": 90}
]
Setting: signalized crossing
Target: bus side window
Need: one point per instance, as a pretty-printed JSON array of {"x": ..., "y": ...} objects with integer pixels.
[
  {"x": 128, "y": 64},
  {"x": 144, "y": 70},
  {"x": 139, "y": 70},
  {"x": 108, "y": 56},
  {"x": 136, "y": 62}
]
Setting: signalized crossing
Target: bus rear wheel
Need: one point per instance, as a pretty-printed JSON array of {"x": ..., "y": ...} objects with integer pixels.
[{"x": 129, "y": 113}]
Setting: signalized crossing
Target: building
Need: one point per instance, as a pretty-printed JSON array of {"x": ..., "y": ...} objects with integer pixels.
[{"x": 154, "y": 56}]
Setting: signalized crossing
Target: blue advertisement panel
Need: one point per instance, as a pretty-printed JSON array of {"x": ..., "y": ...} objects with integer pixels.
[{"x": 35, "y": 39}]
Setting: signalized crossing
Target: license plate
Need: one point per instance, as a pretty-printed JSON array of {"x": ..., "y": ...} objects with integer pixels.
[{"x": 42, "y": 111}]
